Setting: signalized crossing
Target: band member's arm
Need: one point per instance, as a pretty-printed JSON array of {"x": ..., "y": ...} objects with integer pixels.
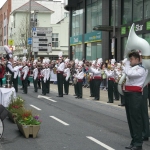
[
  {"x": 68, "y": 74},
  {"x": 80, "y": 75},
  {"x": 25, "y": 73},
  {"x": 36, "y": 74},
  {"x": 61, "y": 67}
]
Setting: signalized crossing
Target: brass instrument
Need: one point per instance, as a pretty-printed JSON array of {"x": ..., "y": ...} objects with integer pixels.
[
  {"x": 88, "y": 77},
  {"x": 54, "y": 70},
  {"x": 75, "y": 80},
  {"x": 109, "y": 66}
]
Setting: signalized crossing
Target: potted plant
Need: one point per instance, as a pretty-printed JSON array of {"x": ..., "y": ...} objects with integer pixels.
[
  {"x": 14, "y": 106},
  {"x": 28, "y": 123}
]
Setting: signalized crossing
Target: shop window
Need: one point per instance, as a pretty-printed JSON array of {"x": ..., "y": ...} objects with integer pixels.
[
  {"x": 146, "y": 9},
  {"x": 93, "y": 14},
  {"x": 55, "y": 40},
  {"x": 147, "y": 37},
  {"x": 93, "y": 51},
  {"x": 137, "y": 10},
  {"x": 127, "y": 12},
  {"x": 77, "y": 52},
  {"x": 124, "y": 42},
  {"x": 113, "y": 6}
]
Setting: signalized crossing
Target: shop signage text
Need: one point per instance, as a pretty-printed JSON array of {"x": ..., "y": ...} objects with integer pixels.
[
  {"x": 92, "y": 37},
  {"x": 138, "y": 27},
  {"x": 75, "y": 40}
]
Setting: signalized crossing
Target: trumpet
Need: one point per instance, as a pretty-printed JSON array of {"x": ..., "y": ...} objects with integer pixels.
[{"x": 54, "y": 70}]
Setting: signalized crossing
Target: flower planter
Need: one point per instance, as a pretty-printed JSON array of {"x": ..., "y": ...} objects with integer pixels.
[
  {"x": 27, "y": 130},
  {"x": 12, "y": 116}
]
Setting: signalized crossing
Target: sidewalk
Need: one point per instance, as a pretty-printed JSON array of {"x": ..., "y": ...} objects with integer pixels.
[{"x": 86, "y": 94}]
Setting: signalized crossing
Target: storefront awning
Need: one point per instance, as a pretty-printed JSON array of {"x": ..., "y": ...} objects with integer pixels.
[{"x": 103, "y": 28}]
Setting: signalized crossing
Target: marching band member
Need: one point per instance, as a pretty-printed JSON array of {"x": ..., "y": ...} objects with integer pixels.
[
  {"x": 66, "y": 76},
  {"x": 35, "y": 75},
  {"x": 97, "y": 78},
  {"x": 117, "y": 73},
  {"x": 43, "y": 78},
  {"x": 135, "y": 78},
  {"x": 111, "y": 79},
  {"x": 9, "y": 67},
  {"x": 47, "y": 76},
  {"x": 91, "y": 79},
  {"x": 79, "y": 76},
  {"x": 24, "y": 75},
  {"x": 16, "y": 74},
  {"x": 60, "y": 72}
]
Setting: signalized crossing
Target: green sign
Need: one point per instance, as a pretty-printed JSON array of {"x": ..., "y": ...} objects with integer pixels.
[
  {"x": 93, "y": 37},
  {"x": 75, "y": 40},
  {"x": 148, "y": 25},
  {"x": 123, "y": 30}
]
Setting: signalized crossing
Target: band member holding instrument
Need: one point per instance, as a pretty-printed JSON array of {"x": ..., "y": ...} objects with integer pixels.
[
  {"x": 35, "y": 75},
  {"x": 135, "y": 79},
  {"x": 60, "y": 72},
  {"x": 111, "y": 79}
]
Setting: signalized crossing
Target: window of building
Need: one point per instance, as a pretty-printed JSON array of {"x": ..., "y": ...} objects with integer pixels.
[
  {"x": 93, "y": 14},
  {"x": 113, "y": 6},
  {"x": 147, "y": 37},
  {"x": 127, "y": 12},
  {"x": 55, "y": 42},
  {"x": 124, "y": 42},
  {"x": 93, "y": 51},
  {"x": 77, "y": 20},
  {"x": 5, "y": 31},
  {"x": 77, "y": 52},
  {"x": 137, "y": 10},
  {"x": 146, "y": 9}
]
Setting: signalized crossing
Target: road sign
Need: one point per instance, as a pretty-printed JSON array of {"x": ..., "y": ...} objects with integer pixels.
[
  {"x": 34, "y": 29},
  {"x": 11, "y": 42},
  {"x": 42, "y": 39},
  {"x": 29, "y": 41}
]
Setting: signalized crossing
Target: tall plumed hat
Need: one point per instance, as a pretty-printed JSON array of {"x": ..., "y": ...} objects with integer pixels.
[
  {"x": 80, "y": 64},
  {"x": 24, "y": 59},
  {"x": 76, "y": 61},
  {"x": 93, "y": 63},
  {"x": 67, "y": 60},
  {"x": 99, "y": 62},
  {"x": 113, "y": 61},
  {"x": 8, "y": 51},
  {"x": 15, "y": 59},
  {"x": 60, "y": 55}
]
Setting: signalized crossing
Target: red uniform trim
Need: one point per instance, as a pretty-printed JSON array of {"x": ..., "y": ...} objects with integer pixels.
[
  {"x": 111, "y": 79},
  {"x": 133, "y": 88},
  {"x": 79, "y": 80},
  {"x": 97, "y": 78}
]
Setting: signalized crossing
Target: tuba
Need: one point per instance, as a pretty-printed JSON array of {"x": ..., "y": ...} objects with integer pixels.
[{"x": 135, "y": 42}]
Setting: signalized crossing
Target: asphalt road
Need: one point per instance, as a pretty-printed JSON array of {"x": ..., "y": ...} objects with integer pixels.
[{"x": 70, "y": 124}]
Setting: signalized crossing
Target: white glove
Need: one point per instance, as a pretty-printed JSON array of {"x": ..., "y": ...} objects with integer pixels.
[{"x": 66, "y": 79}]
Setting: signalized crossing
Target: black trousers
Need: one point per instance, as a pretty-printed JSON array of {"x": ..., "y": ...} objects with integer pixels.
[
  {"x": 110, "y": 90},
  {"x": 75, "y": 89},
  {"x": 1, "y": 82},
  {"x": 122, "y": 100},
  {"x": 35, "y": 85},
  {"x": 97, "y": 83},
  {"x": 116, "y": 93},
  {"x": 15, "y": 83},
  {"x": 47, "y": 85},
  {"x": 43, "y": 87},
  {"x": 133, "y": 106},
  {"x": 79, "y": 89},
  {"x": 92, "y": 88},
  {"x": 66, "y": 85},
  {"x": 25, "y": 85},
  {"x": 39, "y": 84},
  {"x": 60, "y": 83},
  {"x": 145, "y": 117},
  {"x": 149, "y": 94}
]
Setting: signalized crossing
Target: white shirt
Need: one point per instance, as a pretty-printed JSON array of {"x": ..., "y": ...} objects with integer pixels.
[
  {"x": 35, "y": 73},
  {"x": 25, "y": 71},
  {"x": 67, "y": 73},
  {"x": 61, "y": 67}
]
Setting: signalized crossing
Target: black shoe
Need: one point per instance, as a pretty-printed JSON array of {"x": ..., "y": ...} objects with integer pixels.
[
  {"x": 91, "y": 96},
  {"x": 129, "y": 147},
  {"x": 76, "y": 97},
  {"x": 116, "y": 99},
  {"x": 121, "y": 105},
  {"x": 43, "y": 94},
  {"x": 96, "y": 99},
  {"x": 65, "y": 94},
  {"x": 109, "y": 102},
  {"x": 59, "y": 96},
  {"x": 136, "y": 148},
  {"x": 145, "y": 138},
  {"x": 79, "y": 97}
]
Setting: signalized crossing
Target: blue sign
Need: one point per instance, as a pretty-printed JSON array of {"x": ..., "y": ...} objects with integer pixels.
[
  {"x": 75, "y": 40},
  {"x": 34, "y": 29},
  {"x": 29, "y": 41}
]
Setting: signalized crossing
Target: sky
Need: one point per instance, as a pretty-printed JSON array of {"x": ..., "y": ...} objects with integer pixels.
[{"x": 2, "y": 2}]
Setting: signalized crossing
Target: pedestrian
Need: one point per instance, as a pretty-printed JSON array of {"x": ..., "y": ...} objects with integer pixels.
[{"x": 35, "y": 75}]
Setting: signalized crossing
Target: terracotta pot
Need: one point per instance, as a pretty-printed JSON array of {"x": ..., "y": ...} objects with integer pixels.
[{"x": 27, "y": 130}]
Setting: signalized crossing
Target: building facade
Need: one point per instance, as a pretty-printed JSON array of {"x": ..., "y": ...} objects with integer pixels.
[{"x": 99, "y": 28}]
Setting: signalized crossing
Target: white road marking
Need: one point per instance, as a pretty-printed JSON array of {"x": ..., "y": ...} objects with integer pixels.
[
  {"x": 48, "y": 98},
  {"x": 64, "y": 123},
  {"x": 35, "y": 107},
  {"x": 100, "y": 143}
]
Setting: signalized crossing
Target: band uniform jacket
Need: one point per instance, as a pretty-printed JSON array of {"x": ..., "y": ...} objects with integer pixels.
[
  {"x": 16, "y": 73},
  {"x": 35, "y": 73},
  {"x": 25, "y": 71},
  {"x": 43, "y": 74},
  {"x": 48, "y": 73},
  {"x": 61, "y": 67},
  {"x": 67, "y": 73},
  {"x": 80, "y": 75},
  {"x": 135, "y": 77},
  {"x": 96, "y": 72}
]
